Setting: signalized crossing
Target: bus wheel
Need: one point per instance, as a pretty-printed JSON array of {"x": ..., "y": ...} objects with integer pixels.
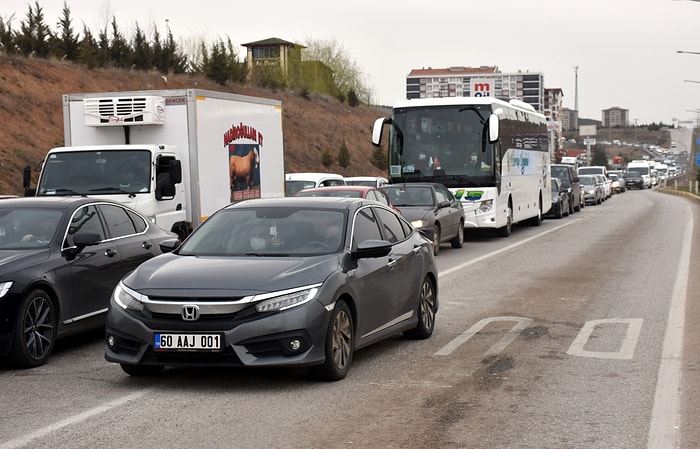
[{"x": 508, "y": 228}]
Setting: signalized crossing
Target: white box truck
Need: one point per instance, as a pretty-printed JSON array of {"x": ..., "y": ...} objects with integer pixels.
[{"x": 175, "y": 155}]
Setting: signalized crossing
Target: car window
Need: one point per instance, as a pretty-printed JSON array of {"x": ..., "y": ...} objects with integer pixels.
[
  {"x": 85, "y": 219},
  {"x": 391, "y": 225},
  {"x": 365, "y": 227},
  {"x": 118, "y": 222}
]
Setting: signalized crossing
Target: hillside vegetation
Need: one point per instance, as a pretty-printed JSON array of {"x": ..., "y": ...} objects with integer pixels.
[{"x": 31, "y": 116}]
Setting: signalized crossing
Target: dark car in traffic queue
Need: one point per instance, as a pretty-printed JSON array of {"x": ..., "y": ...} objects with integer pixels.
[
  {"x": 634, "y": 180},
  {"x": 560, "y": 200},
  {"x": 432, "y": 209},
  {"x": 278, "y": 282},
  {"x": 60, "y": 259},
  {"x": 570, "y": 181}
]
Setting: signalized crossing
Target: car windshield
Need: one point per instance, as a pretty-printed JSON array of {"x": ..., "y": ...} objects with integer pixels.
[
  {"x": 266, "y": 231},
  {"x": 410, "y": 195},
  {"x": 27, "y": 228},
  {"x": 586, "y": 181}
]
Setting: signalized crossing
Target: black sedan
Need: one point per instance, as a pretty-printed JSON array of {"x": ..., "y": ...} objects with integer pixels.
[
  {"x": 277, "y": 282},
  {"x": 60, "y": 259},
  {"x": 560, "y": 200},
  {"x": 432, "y": 209}
]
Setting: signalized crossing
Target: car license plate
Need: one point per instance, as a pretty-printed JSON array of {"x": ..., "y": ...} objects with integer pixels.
[{"x": 187, "y": 342}]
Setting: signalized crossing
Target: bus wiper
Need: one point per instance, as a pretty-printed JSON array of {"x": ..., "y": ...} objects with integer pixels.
[{"x": 62, "y": 191}]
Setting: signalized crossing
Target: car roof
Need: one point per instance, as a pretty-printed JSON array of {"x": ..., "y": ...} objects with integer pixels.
[
  {"x": 307, "y": 176},
  {"x": 339, "y": 188},
  {"x": 50, "y": 202},
  {"x": 413, "y": 184},
  {"x": 330, "y": 202}
]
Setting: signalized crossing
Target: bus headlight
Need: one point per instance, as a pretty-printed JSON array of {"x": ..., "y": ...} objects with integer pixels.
[{"x": 485, "y": 206}]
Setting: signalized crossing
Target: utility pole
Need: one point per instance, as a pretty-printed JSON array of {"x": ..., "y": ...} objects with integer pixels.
[{"x": 576, "y": 95}]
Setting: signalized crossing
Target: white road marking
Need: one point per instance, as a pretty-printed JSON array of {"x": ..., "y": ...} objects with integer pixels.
[
  {"x": 521, "y": 324},
  {"x": 665, "y": 417},
  {"x": 626, "y": 351},
  {"x": 74, "y": 419},
  {"x": 456, "y": 268}
]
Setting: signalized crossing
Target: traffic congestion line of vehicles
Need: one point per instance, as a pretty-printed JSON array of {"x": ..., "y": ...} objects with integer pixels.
[{"x": 252, "y": 266}]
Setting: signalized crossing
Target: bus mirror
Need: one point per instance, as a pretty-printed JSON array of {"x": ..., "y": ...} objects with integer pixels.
[
  {"x": 493, "y": 128},
  {"x": 377, "y": 130}
]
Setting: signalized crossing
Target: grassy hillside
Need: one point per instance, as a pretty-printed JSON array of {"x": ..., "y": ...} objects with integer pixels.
[{"x": 31, "y": 119}]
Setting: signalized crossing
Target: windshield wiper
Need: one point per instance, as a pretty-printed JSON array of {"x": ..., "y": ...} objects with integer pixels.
[{"x": 61, "y": 191}]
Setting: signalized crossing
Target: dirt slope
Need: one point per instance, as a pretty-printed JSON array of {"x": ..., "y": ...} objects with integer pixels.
[{"x": 31, "y": 119}]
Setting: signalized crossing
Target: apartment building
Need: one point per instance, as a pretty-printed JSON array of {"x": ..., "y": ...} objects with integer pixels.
[
  {"x": 462, "y": 81},
  {"x": 615, "y": 117}
]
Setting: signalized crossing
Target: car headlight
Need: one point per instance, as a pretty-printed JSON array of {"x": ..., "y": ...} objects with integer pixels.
[
  {"x": 485, "y": 206},
  {"x": 5, "y": 287},
  {"x": 418, "y": 223},
  {"x": 285, "y": 300},
  {"x": 127, "y": 298}
]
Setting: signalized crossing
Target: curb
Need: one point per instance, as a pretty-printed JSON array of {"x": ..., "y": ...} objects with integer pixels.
[{"x": 677, "y": 192}]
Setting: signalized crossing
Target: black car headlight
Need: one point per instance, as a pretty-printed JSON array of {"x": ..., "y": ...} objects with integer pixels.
[
  {"x": 277, "y": 301},
  {"x": 126, "y": 298},
  {"x": 420, "y": 223},
  {"x": 5, "y": 287}
]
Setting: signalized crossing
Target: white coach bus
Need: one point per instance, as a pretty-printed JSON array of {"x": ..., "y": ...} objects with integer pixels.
[{"x": 492, "y": 154}]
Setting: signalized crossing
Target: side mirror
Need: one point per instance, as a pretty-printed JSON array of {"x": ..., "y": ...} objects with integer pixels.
[
  {"x": 371, "y": 248},
  {"x": 83, "y": 239},
  {"x": 169, "y": 245}
]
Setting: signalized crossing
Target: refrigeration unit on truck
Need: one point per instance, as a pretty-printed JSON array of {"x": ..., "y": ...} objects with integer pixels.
[{"x": 175, "y": 155}]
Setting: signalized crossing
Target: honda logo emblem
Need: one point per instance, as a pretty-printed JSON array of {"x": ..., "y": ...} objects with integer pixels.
[{"x": 190, "y": 312}]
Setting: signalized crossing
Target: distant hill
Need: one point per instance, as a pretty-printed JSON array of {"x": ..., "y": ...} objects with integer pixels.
[{"x": 31, "y": 116}]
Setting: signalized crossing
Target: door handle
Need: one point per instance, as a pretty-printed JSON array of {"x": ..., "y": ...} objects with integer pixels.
[
  {"x": 146, "y": 245},
  {"x": 110, "y": 253}
]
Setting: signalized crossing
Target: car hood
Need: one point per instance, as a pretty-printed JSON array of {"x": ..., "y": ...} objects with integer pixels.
[
  {"x": 172, "y": 274},
  {"x": 415, "y": 212},
  {"x": 12, "y": 261}
]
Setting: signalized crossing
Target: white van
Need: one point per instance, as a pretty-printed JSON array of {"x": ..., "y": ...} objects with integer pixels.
[
  {"x": 598, "y": 170},
  {"x": 372, "y": 181},
  {"x": 295, "y": 182}
]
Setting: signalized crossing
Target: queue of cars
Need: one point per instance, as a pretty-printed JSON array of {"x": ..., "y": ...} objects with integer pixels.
[{"x": 299, "y": 281}]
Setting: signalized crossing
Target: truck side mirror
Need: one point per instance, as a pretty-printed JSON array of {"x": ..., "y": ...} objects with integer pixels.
[{"x": 175, "y": 170}]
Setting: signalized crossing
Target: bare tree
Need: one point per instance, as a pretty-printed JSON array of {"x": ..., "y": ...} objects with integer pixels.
[{"x": 347, "y": 74}]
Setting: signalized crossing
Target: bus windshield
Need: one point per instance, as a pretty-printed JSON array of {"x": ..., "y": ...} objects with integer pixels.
[{"x": 446, "y": 144}]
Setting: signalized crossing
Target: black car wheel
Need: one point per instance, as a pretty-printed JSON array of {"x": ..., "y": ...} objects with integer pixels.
[
  {"x": 458, "y": 240},
  {"x": 142, "y": 370},
  {"x": 436, "y": 239},
  {"x": 35, "y": 332},
  {"x": 426, "y": 312},
  {"x": 338, "y": 346}
]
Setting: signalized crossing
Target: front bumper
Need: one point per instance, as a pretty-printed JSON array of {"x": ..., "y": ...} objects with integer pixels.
[{"x": 249, "y": 338}]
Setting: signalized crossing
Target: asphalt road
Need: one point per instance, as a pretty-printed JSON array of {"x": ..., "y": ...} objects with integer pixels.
[{"x": 579, "y": 333}]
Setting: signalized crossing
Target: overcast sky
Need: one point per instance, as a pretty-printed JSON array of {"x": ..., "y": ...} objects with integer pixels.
[{"x": 625, "y": 50}]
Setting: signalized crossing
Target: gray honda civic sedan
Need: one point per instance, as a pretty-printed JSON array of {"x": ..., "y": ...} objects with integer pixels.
[{"x": 277, "y": 282}]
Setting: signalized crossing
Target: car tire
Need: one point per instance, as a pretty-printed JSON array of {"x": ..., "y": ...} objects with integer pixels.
[
  {"x": 436, "y": 239},
  {"x": 35, "y": 331},
  {"x": 458, "y": 240},
  {"x": 142, "y": 370},
  {"x": 338, "y": 347},
  {"x": 506, "y": 230},
  {"x": 426, "y": 312}
]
